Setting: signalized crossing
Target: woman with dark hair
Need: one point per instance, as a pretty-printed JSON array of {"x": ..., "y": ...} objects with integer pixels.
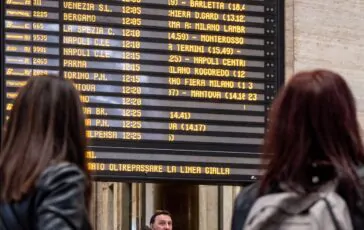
[
  {"x": 44, "y": 180},
  {"x": 313, "y": 138}
]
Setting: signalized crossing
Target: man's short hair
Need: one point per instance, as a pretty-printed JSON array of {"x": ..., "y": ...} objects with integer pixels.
[{"x": 157, "y": 213}]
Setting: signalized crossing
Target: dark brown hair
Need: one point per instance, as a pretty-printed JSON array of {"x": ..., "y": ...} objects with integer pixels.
[
  {"x": 157, "y": 213},
  {"x": 313, "y": 130},
  {"x": 45, "y": 126}
]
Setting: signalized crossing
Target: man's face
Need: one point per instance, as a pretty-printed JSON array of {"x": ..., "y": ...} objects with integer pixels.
[{"x": 162, "y": 222}]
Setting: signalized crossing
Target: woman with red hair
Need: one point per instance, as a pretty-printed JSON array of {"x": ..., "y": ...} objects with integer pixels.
[{"x": 313, "y": 138}]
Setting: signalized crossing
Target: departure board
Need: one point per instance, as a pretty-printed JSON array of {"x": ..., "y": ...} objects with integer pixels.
[{"x": 172, "y": 89}]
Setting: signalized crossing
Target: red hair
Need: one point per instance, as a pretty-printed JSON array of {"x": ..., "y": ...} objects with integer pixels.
[{"x": 313, "y": 121}]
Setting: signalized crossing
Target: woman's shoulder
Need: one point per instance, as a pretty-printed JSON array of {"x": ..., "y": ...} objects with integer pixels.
[
  {"x": 243, "y": 203},
  {"x": 246, "y": 195},
  {"x": 60, "y": 197},
  {"x": 56, "y": 174}
]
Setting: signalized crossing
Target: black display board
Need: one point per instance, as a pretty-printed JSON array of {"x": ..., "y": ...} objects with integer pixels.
[{"x": 172, "y": 89}]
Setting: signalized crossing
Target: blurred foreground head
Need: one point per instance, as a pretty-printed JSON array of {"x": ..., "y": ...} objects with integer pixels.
[
  {"x": 45, "y": 126},
  {"x": 313, "y": 131}
]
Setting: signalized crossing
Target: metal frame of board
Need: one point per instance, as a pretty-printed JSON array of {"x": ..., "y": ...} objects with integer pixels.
[{"x": 2, "y": 64}]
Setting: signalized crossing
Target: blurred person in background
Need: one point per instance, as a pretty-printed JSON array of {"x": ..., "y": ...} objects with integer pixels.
[
  {"x": 44, "y": 180},
  {"x": 161, "y": 220}
]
